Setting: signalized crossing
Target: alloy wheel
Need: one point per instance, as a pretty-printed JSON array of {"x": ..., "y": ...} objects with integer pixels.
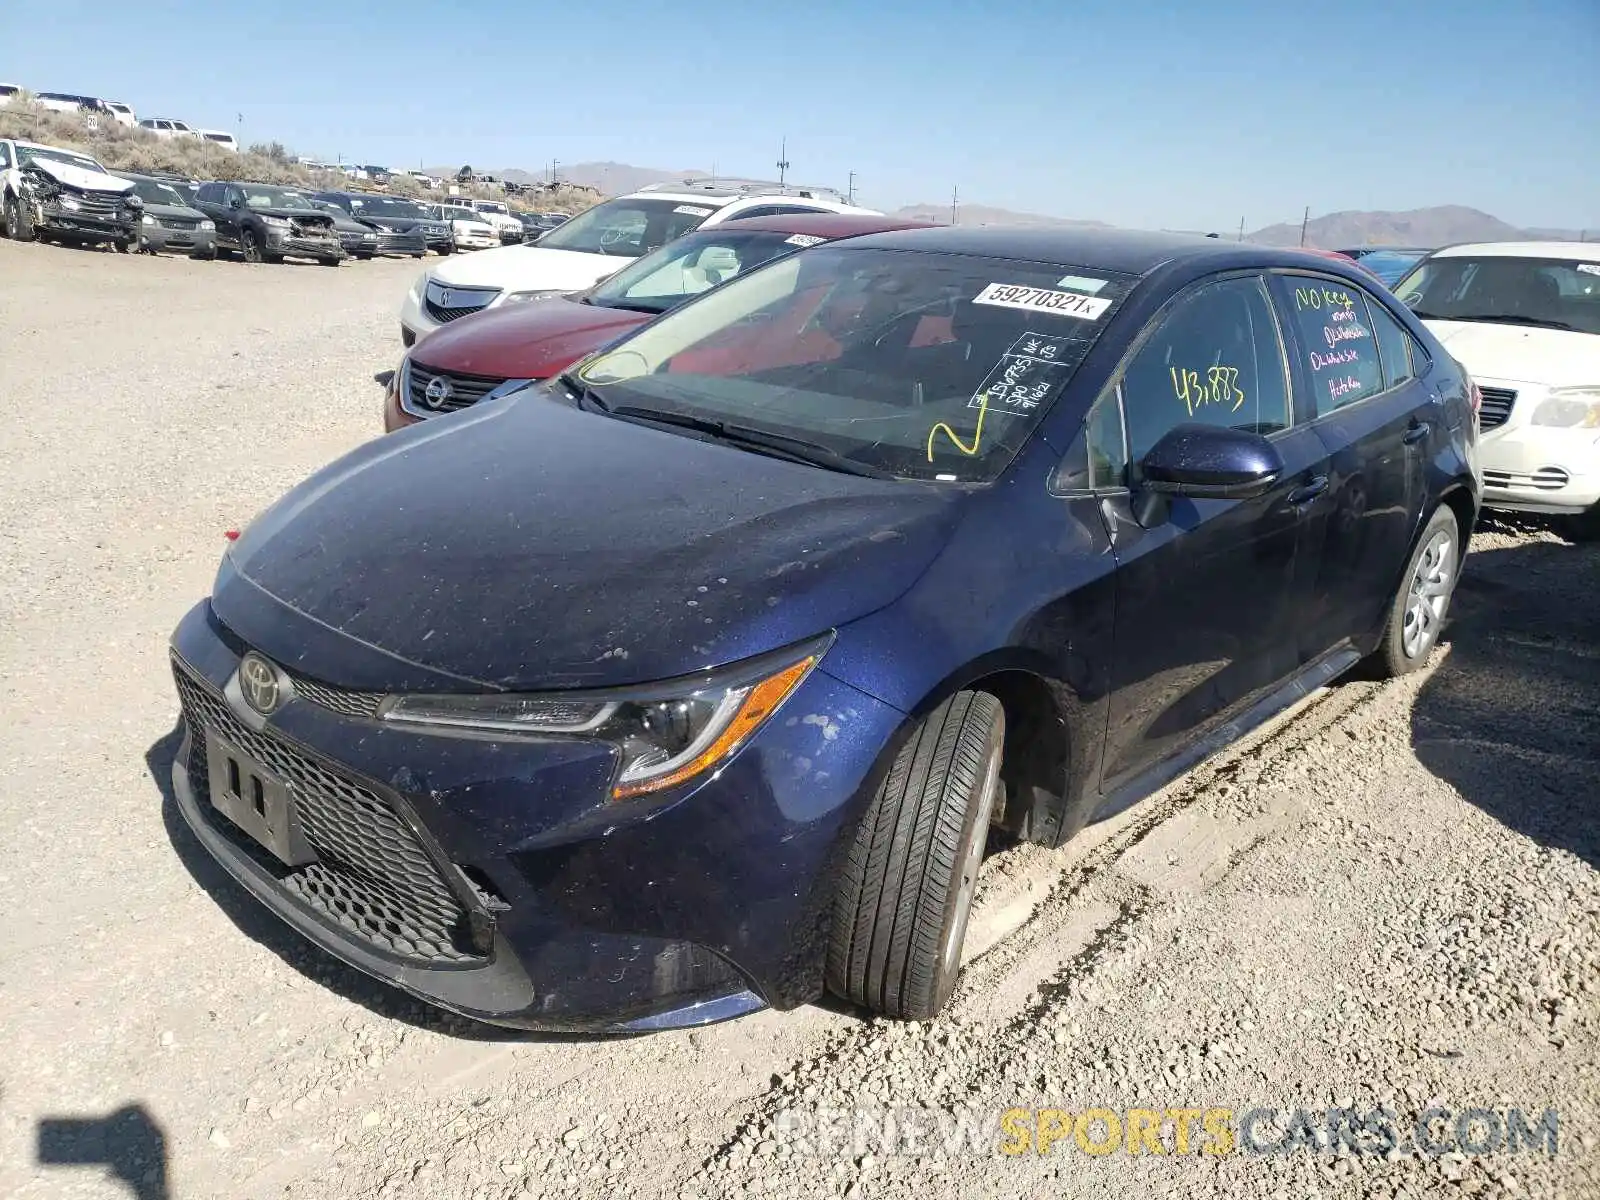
[
  {"x": 1430, "y": 591},
  {"x": 971, "y": 860}
]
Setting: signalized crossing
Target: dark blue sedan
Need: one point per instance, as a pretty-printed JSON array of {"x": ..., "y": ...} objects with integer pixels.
[{"x": 695, "y": 680}]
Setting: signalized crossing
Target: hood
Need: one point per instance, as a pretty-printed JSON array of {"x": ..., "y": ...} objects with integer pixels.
[
  {"x": 313, "y": 216},
  {"x": 1521, "y": 353},
  {"x": 525, "y": 341},
  {"x": 78, "y": 177},
  {"x": 529, "y": 268},
  {"x": 175, "y": 212},
  {"x": 525, "y": 544}
]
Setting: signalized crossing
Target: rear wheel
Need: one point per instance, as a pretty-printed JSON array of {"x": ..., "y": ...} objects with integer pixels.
[
  {"x": 900, "y": 916},
  {"x": 1416, "y": 617}
]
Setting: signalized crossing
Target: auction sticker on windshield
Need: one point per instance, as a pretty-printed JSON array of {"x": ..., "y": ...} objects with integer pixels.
[
  {"x": 804, "y": 239},
  {"x": 691, "y": 210},
  {"x": 1037, "y": 299}
]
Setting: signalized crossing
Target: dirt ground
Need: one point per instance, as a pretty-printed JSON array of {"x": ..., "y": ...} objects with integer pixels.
[{"x": 1390, "y": 900}]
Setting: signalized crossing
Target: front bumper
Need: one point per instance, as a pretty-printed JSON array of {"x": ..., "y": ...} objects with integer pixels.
[
  {"x": 536, "y": 902},
  {"x": 293, "y": 246},
  {"x": 78, "y": 224},
  {"x": 476, "y": 241},
  {"x": 160, "y": 239},
  {"x": 401, "y": 244}
]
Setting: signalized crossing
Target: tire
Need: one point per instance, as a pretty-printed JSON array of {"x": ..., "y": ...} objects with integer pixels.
[
  {"x": 329, "y": 262},
  {"x": 252, "y": 247},
  {"x": 128, "y": 246},
  {"x": 900, "y": 914},
  {"x": 1585, "y": 527},
  {"x": 19, "y": 222},
  {"x": 362, "y": 257},
  {"x": 207, "y": 255},
  {"x": 1422, "y": 601},
  {"x": 447, "y": 250}
]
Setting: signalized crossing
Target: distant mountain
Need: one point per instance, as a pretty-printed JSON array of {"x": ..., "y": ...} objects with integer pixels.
[
  {"x": 1419, "y": 227},
  {"x": 611, "y": 178},
  {"x": 980, "y": 214}
]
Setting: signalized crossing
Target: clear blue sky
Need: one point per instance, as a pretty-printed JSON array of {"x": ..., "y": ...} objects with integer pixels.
[{"x": 1139, "y": 112}]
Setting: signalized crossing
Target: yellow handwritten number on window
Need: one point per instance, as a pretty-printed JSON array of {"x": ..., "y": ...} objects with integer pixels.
[{"x": 977, "y": 433}]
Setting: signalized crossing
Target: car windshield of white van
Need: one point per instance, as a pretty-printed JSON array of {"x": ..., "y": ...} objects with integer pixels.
[
  {"x": 1546, "y": 293},
  {"x": 627, "y": 228}
]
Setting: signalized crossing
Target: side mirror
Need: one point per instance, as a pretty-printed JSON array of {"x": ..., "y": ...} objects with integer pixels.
[
  {"x": 1208, "y": 462},
  {"x": 235, "y": 202}
]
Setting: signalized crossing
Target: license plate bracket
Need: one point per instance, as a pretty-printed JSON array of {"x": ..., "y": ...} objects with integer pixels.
[{"x": 257, "y": 801}]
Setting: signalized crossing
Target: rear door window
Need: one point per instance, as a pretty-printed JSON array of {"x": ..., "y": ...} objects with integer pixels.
[
  {"x": 1394, "y": 346},
  {"x": 1216, "y": 358},
  {"x": 1337, "y": 346}
]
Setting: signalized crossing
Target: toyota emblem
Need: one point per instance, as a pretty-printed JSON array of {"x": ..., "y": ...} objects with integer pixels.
[
  {"x": 258, "y": 683},
  {"x": 437, "y": 393}
]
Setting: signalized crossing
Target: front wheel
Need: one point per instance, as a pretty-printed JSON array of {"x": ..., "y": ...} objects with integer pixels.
[
  {"x": 900, "y": 915},
  {"x": 329, "y": 262},
  {"x": 19, "y": 223},
  {"x": 128, "y": 246},
  {"x": 1585, "y": 527},
  {"x": 252, "y": 247},
  {"x": 1416, "y": 617}
]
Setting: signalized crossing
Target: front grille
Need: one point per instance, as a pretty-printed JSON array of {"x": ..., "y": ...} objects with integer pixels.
[
  {"x": 97, "y": 204},
  {"x": 444, "y": 303},
  {"x": 1495, "y": 409},
  {"x": 373, "y": 879},
  {"x": 306, "y": 229},
  {"x": 179, "y": 223},
  {"x": 336, "y": 699},
  {"x": 464, "y": 390},
  {"x": 1546, "y": 479}
]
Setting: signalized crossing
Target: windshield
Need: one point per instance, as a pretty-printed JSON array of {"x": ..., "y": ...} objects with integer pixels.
[
  {"x": 491, "y": 206},
  {"x": 627, "y": 228},
  {"x": 28, "y": 154},
  {"x": 691, "y": 265},
  {"x": 384, "y": 206},
  {"x": 266, "y": 197},
  {"x": 152, "y": 192},
  {"x": 929, "y": 366},
  {"x": 1554, "y": 293}
]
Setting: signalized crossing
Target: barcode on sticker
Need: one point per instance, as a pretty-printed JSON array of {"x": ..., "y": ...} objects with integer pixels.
[
  {"x": 1047, "y": 300},
  {"x": 1589, "y": 268},
  {"x": 692, "y": 211},
  {"x": 803, "y": 239}
]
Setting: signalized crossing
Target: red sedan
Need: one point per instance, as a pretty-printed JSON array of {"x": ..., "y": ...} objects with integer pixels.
[{"x": 495, "y": 352}]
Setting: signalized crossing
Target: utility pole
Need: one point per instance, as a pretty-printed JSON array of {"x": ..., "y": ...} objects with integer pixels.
[
  {"x": 1241, "y": 229},
  {"x": 554, "y": 163},
  {"x": 850, "y": 192},
  {"x": 713, "y": 171},
  {"x": 1304, "y": 221},
  {"x": 783, "y": 161},
  {"x": 955, "y": 204}
]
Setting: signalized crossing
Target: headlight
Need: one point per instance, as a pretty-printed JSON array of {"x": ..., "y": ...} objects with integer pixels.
[
  {"x": 276, "y": 222},
  {"x": 147, "y": 219},
  {"x": 519, "y": 297},
  {"x": 1570, "y": 408},
  {"x": 665, "y": 734},
  {"x": 208, "y": 225}
]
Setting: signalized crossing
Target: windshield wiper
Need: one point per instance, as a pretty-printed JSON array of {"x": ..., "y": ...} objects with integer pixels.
[
  {"x": 587, "y": 396},
  {"x": 1510, "y": 319},
  {"x": 761, "y": 441}
]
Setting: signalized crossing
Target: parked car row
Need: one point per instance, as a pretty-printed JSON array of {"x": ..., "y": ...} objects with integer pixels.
[{"x": 791, "y": 562}]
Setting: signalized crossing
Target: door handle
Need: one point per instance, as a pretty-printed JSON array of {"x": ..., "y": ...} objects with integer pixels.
[
  {"x": 1309, "y": 491},
  {"x": 1415, "y": 432}
]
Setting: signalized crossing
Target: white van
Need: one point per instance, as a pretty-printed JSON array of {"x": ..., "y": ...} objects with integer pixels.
[{"x": 1524, "y": 319}]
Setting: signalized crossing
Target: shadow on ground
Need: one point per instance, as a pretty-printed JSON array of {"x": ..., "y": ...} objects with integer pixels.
[
  {"x": 1511, "y": 718},
  {"x": 259, "y": 924},
  {"x": 129, "y": 1143}
]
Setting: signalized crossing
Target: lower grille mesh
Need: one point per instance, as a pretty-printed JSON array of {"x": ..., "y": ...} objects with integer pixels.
[{"x": 373, "y": 879}]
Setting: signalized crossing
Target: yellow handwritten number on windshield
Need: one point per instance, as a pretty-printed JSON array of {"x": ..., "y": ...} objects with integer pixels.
[{"x": 977, "y": 432}]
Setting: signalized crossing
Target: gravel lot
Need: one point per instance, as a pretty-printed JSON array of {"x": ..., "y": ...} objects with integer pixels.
[{"x": 1391, "y": 899}]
